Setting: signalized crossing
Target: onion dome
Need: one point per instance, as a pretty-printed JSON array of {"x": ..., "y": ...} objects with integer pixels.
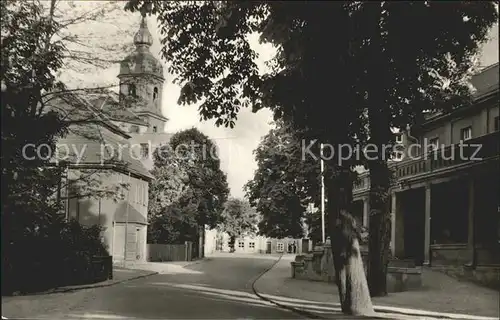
[{"x": 141, "y": 61}]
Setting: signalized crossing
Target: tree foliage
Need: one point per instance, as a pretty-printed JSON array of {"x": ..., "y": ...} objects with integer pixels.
[
  {"x": 238, "y": 218},
  {"x": 388, "y": 62},
  {"x": 285, "y": 183},
  {"x": 190, "y": 188},
  {"x": 32, "y": 54},
  {"x": 27, "y": 64}
]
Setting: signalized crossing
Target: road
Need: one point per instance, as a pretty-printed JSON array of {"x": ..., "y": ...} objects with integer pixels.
[{"x": 219, "y": 288}]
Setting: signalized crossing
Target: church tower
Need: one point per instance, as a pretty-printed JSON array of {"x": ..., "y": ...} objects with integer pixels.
[
  {"x": 141, "y": 91},
  {"x": 141, "y": 83}
]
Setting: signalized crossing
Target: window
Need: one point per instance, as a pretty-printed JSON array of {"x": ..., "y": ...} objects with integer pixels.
[
  {"x": 132, "y": 90},
  {"x": 144, "y": 150},
  {"x": 497, "y": 123},
  {"x": 251, "y": 245},
  {"x": 134, "y": 129},
  {"x": 280, "y": 247},
  {"x": 155, "y": 129},
  {"x": 466, "y": 134},
  {"x": 433, "y": 144},
  {"x": 399, "y": 138},
  {"x": 397, "y": 156},
  {"x": 155, "y": 93},
  {"x": 241, "y": 244}
]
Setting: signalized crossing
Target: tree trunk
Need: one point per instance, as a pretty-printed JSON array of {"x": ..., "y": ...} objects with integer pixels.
[
  {"x": 380, "y": 222},
  {"x": 232, "y": 240},
  {"x": 349, "y": 272},
  {"x": 379, "y": 119}
]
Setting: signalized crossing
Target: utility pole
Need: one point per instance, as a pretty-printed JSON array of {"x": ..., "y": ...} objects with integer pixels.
[
  {"x": 322, "y": 197},
  {"x": 126, "y": 223}
]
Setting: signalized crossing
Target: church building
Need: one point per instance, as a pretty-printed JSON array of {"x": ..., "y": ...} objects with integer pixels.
[{"x": 116, "y": 139}]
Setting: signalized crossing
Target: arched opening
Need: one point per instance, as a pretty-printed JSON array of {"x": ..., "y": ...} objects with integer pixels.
[
  {"x": 132, "y": 90},
  {"x": 155, "y": 129},
  {"x": 155, "y": 93}
]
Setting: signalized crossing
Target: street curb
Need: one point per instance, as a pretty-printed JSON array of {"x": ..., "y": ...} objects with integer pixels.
[
  {"x": 102, "y": 285},
  {"x": 297, "y": 311}
]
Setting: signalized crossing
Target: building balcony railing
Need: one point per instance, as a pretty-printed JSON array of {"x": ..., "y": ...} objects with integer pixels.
[{"x": 450, "y": 157}]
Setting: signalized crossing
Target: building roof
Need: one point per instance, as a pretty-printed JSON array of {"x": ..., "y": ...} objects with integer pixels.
[
  {"x": 93, "y": 140},
  {"x": 76, "y": 108},
  {"x": 486, "y": 81},
  {"x": 108, "y": 103},
  {"x": 92, "y": 145}
]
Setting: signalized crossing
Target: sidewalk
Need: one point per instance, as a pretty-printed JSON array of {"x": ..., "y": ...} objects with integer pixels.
[
  {"x": 172, "y": 267},
  {"x": 119, "y": 275},
  {"x": 440, "y": 297}
]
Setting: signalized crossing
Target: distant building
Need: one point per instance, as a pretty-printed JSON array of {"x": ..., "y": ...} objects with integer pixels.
[
  {"x": 445, "y": 206},
  {"x": 219, "y": 242}
]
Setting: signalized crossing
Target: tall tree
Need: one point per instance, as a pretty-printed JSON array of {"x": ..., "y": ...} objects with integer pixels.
[
  {"x": 190, "y": 190},
  {"x": 284, "y": 183},
  {"x": 238, "y": 220},
  {"x": 32, "y": 54},
  {"x": 170, "y": 222},
  {"x": 380, "y": 74}
]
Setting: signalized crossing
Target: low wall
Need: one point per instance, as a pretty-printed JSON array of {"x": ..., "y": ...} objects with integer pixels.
[
  {"x": 485, "y": 275},
  {"x": 455, "y": 260},
  {"x": 450, "y": 254},
  {"x": 170, "y": 252},
  {"x": 402, "y": 275}
]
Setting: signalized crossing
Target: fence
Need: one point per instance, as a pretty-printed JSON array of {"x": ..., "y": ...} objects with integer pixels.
[{"x": 170, "y": 252}]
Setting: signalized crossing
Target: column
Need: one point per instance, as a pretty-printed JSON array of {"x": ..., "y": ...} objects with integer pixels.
[
  {"x": 366, "y": 212},
  {"x": 397, "y": 226},
  {"x": 427, "y": 235}
]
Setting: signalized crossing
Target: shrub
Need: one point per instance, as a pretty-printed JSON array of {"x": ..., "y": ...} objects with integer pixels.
[{"x": 56, "y": 254}]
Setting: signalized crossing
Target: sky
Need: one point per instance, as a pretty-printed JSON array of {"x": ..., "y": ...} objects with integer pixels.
[{"x": 115, "y": 30}]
